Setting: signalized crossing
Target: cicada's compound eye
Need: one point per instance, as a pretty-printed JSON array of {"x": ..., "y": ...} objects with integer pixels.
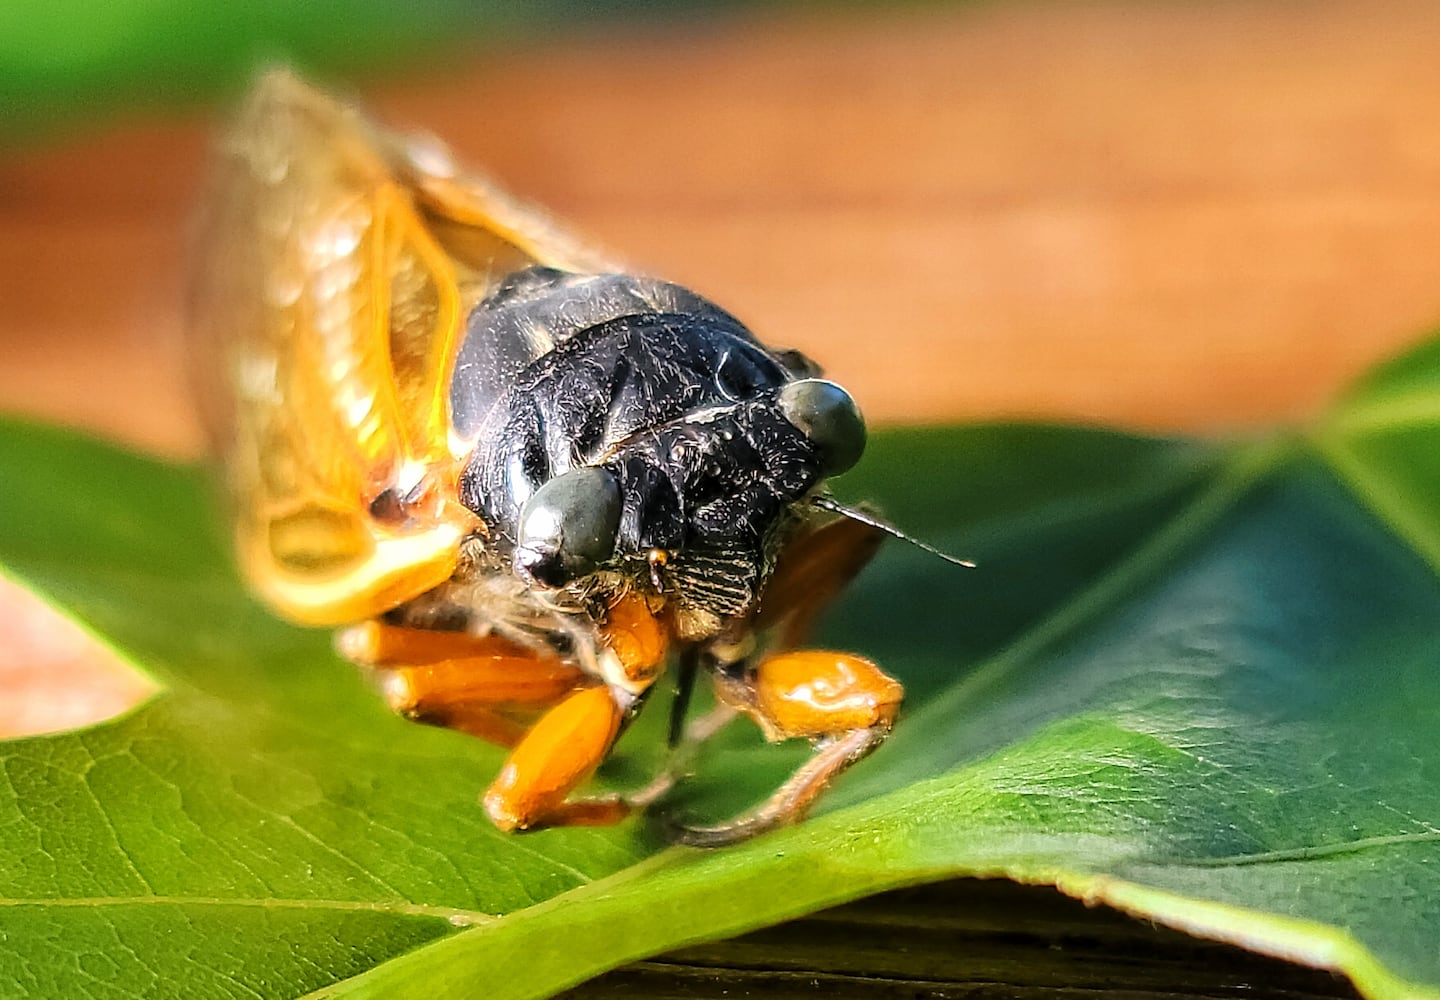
[
  {"x": 567, "y": 528},
  {"x": 829, "y": 418}
]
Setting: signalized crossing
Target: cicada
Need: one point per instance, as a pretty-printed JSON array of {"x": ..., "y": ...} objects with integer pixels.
[{"x": 521, "y": 481}]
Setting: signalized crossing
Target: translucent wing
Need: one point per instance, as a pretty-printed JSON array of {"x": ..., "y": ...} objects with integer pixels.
[{"x": 336, "y": 267}]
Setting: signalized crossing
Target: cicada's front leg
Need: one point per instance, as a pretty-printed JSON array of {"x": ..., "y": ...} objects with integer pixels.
[
  {"x": 841, "y": 702},
  {"x": 569, "y": 742},
  {"x": 556, "y": 756},
  {"x": 480, "y": 685}
]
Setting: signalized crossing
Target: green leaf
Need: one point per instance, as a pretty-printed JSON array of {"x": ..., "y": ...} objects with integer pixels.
[{"x": 1195, "y": 681}]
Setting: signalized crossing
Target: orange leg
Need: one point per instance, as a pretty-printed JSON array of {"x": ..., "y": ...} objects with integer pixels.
[
  {"x": 478, "y": 684},
  {"x": 812, "y": 569},
  {"x": 474, "y": 684},
  {"x": 844, "y": 703},
  {"x": 570, "y": 741},
  {"x": 556, "y": 756}
]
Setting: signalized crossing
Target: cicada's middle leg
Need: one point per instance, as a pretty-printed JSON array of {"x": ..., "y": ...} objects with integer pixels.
[{"x": 485, "y": 686}]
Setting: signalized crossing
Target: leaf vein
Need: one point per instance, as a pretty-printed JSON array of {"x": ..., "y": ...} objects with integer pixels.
[
  {"x": 109, "y": 824},
  {"x": 455, "y": 915},
  {"x": 1309, "y": 853}
]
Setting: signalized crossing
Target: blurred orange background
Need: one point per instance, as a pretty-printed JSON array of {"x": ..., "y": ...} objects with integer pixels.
[{"x": 1163, "y": 216}]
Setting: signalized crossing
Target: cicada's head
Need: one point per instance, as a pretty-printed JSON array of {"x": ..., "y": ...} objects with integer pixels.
[
  {"x": 714, "y": 483},
  {"x": 641, "y": 436}
]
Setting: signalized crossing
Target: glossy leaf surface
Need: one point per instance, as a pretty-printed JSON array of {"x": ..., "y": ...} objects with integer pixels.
[{"x": 1198, "y": 682}]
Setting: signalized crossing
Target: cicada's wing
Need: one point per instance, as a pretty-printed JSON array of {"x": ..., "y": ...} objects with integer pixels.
[{"x": 336, "y": 266}]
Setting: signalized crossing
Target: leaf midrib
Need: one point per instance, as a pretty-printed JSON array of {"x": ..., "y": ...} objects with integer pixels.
[
  {"x": 1409, "y": 409},
  {"x": 1392, "y": 506},
  {"x": 1238, "y": 474}
]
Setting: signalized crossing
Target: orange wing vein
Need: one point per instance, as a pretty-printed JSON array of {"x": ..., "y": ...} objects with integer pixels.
[{"x": 336, "y": 266}]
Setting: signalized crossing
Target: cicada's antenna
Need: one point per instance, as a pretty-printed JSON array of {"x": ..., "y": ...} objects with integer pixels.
[{"x": 856, "y": 514}]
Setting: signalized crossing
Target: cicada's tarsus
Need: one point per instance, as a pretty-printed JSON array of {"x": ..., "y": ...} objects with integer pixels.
[{"x": 520, "y": 480}]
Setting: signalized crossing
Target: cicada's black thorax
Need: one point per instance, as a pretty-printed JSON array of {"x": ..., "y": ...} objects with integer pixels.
[{"x": 665, "y": 391}]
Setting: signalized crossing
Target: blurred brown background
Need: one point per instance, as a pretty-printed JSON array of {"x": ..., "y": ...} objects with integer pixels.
[{"x": 1167, "y": 216}]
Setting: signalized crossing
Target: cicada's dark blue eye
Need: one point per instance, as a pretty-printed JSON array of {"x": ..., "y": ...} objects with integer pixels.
[
  {"x": 829, "y": 418},
  {"x": 567, "y": 527}
]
